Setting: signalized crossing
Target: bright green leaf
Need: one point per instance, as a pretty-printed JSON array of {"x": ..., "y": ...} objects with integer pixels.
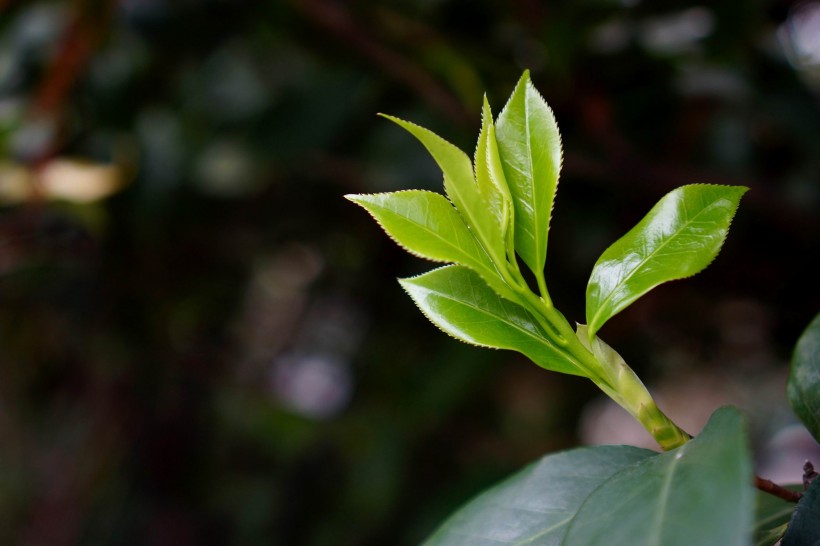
[
  {"x": 425, "y": 224},
  {"x": 535, "y": 505},
  {"x": 804, "y": 527},
  {"x": 461, "y": 187},
  {"x": 458, "y": 301},
  {"x": 679, "y": 237},
  {"x": 804, "y": 380},
  {"x": 489, "y": 175},
  {"x": 530, "y": 148},
  {"x": 699, "y": 493}
]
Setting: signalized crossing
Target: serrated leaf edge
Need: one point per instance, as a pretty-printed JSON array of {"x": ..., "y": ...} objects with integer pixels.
[
  {"x": 352, "y": 198},
  {"x": 542, "y": 338},
  {"x": 590, "y": 323},
  {"x": 527, "y": 80},
  {"x": 404, "y": 280}
]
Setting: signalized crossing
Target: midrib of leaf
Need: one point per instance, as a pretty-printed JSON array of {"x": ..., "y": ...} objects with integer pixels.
[
  {"x": 543, "y": 532},
  {"x": 663, "y": 500},
  {"x": 448, "y": 243},
  {"x": 650, "y": 256},
  {"x": 505, "y": 319},
  {"x": 533, "y": 196}
]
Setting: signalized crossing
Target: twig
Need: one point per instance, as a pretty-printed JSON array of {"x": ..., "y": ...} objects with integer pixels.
[{"x": 768, "y": 486}]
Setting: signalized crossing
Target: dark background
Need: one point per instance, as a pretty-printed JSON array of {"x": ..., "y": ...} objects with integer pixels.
[{"x": 202, "y": 342}]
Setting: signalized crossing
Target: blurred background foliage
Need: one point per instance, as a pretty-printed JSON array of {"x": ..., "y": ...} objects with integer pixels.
[{"x": 201, "y": 342}]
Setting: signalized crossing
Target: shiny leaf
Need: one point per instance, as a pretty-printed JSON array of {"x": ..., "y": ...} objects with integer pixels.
[
  {"x": 489, "y": 175},
  {"x": 425, "y": 224},
  {"x": 535, "y": 505},
  {"x": 679, "y": 237},
  {"x": 804, "y": 527},
  {"x": 699, "y": 493},
  {"x": 461, "y": 187},
  {"x": 458, "y": 301},
  {"x": 804, "y": 380},
  {"x": 530, "y": 148}
]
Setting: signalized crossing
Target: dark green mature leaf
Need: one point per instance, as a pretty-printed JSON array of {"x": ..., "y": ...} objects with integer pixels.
[
  {"x": 530, "y": 148},
  {"x": 804, "y": 379},
  {"x": 679, "y": 237},
  {"x": 458, "y": 301},
  {"x": 699, "y": 493},
  {"x": 535, "y": 505},
  {"x": 461, "y": 187},
  {"x": 772, "y": 515},
  {"x": 804, "y": 527}
]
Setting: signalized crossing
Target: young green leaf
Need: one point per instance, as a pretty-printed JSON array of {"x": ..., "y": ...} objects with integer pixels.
[
  {"x": 535, "y": 505},
  {"x": 699, "y": 493},
  {"x": 461, "y": 187},
  {"x": 804, "y": 527},
  {"x": 804, "y": 380},
  {"x": 457, "y": 300},
  {"x": 529, "y": 145},
  {"x": 489, "y": 175},
  {"x": 679, "y": 237},
  {"x": 425, "y": 224}
]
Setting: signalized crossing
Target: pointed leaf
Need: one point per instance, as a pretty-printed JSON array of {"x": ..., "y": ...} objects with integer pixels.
[
  {"x": 679, "y": 237},
  {"x": 699, "y": 493},
  {"x": 425, "y": 224},
  {"x": 460, "y": 186},
  {"x": 804, "y": 527},
  {"x": 459, "y": 302},
  {"x": 535, "y": 505},
  {"x": 530, "y": 148},
  {"x": 489, "y": 175},
  {"x": 804, "y": 379}
]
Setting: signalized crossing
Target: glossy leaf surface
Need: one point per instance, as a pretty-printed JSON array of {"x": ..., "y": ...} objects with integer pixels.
[
  {"x": 489, "y": 175},
  {"x": 458, "y": 301},
  {"x": 460, "y": 186},
  {"x": 804, "y": 379},
  {"x": 535, "y": 505},
  {"x": 679, "y": 237},
  {"x": 530, "y": 148},
  {"x": 804, "y": 527},
  {"x": 425, "y": 224},
  {"x": 699, "y": 493}
]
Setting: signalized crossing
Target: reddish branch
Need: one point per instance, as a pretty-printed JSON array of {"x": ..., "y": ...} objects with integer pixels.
[
  {"x": 772, "y": 488},
  {"x": 86, "y": 30}
]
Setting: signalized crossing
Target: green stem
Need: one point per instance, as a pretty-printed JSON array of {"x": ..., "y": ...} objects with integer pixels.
[
  {"x": 611, "y": 375},
  {"x": 623, "y": 385},
  {"x": 614, "y": 377}
]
